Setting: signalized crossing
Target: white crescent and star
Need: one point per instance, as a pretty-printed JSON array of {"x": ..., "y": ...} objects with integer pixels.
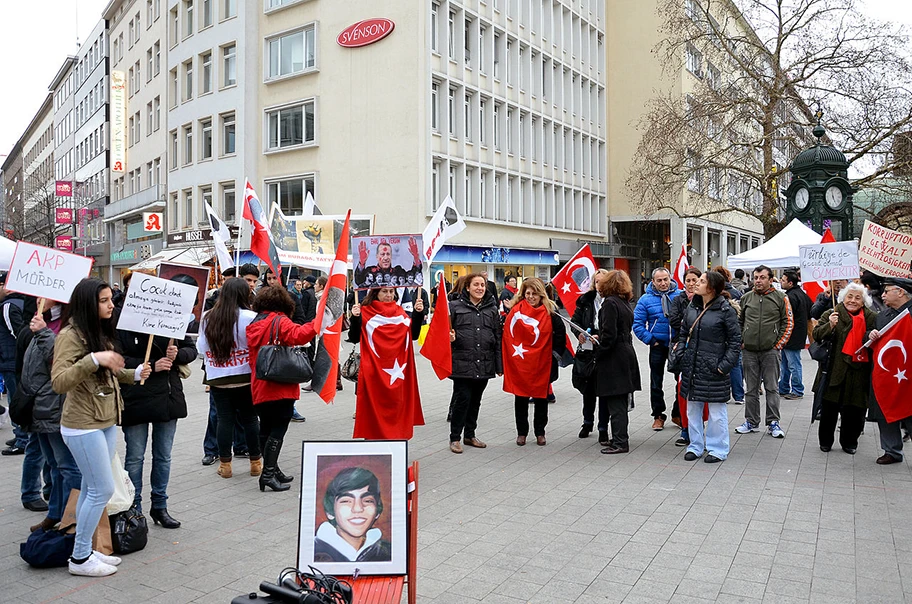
[
  {"x": 397, "y": 371},
  {"x": 900, "y": 374},
  {"x": 519, "y": 351},
  {"x": 530, "y": 321}
]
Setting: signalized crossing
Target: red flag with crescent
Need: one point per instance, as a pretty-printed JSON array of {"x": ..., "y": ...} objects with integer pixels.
[
  {"x": 388, "y": 405},
  {"x": 681, "y": 267},
  {"x": 526, "y": 347},
  {"x": 575, "y": 278},
  {"x": 892, "y": 369},
  {"x": 328, "y": 321},
  {"x": 261, "y": 242},
  {"x": 436, "y": 346}
]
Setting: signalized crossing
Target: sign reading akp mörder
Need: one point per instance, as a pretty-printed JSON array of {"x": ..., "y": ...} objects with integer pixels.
[
  {"x": 828, "y": 261},
  {"x": 157, "y": 307},
  {"x": 46, "y": 273}
]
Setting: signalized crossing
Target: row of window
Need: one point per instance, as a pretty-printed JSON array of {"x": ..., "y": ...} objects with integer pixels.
[
  {"x": 501, "y": 196},
  {"x": 40, "y": 145},
  {"x": 153, "y": 122},
  {"x": 182, "y": 150},
  {"x": 184, "y": 21},
  {"x": 134, "y": 181},
  {"x": 94, "y": 99},
  {"x": 718, "y": 184},
  {"x": 185, "y": 81},
  {"x": 94, "y": 56},
  {"x": 91, "y": 146}
]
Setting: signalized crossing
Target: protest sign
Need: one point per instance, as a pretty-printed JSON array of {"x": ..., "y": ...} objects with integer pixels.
[
  {"x": 885, "y": 252},
  {"x": 157, "y": 307},
  {"x": 311, "y": 241},
  {"x": 44, "y": 272},
  {"x": 828, "y": 261},
  {"x": 197, "y": 276},
  {"x": 387, "y": 261}
]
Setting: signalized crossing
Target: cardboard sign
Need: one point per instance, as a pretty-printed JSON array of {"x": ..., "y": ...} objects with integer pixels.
[
  {"x": 828, "y": 261},
  {"x": 190, "y": 275},
  {"x": 885, "y": 252},
  {"x": 387, "y": 261},
  {"x": 157, "y": 307},
  {"x": 46, "y": 273}
]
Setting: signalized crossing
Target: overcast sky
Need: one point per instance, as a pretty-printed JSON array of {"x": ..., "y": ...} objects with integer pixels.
[{"x": 37, "y": 35}]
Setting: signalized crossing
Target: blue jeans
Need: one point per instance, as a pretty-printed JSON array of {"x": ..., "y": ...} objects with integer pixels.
[
  {"x": 65, "y": 476},
  {"x": 93, "y": 453},
  {"x": 136, "y": 438},
  {"x": 737, "y": 381},
  {"x": 32, "y": 464},
  {"x": 714, "y": 439},
  {"x": 790, "y": 379},
  {"x": 210, "y": 441}
]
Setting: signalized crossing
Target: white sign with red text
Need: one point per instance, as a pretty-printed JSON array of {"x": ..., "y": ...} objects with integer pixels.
[
  {"x": 828, "y": 261},
  {"x": 44, "y": 272}
]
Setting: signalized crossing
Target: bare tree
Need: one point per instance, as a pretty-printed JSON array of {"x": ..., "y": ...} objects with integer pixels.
[
  {"x": 38, "y": 218},
  {"x": 762, "y": 74}
]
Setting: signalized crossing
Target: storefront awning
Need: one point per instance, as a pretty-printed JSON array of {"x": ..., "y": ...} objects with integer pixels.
[{"x": 194, "y": 256}]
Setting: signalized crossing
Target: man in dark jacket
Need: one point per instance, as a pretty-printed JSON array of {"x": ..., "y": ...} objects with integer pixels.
[
  {"x": 791, "y": 384},
  {"x": 650, "y": 324},
  {"x": 897, "y": 296},
  {"x": 309, "y": 298}
]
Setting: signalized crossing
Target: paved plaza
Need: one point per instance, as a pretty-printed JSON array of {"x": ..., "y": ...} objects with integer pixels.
[{"x": 779, "y": 521}]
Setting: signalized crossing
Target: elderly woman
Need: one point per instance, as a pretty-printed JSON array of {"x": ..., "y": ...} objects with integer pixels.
[{"x": 845, "y": 391}]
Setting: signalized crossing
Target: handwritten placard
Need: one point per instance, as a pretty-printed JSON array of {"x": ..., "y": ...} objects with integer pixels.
[
  {"x": 828, "y": 261},
  {"x": 157, "y": 307},
  {"x": 885, "y": 252},
  {"x": 44, "y": 272}
]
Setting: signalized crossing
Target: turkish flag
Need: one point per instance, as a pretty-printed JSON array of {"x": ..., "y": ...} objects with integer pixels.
[
  {"x": 815, "y": 288},
  {"x": 388, "y": 405},
  {"x": 436, "y": 346},
  {"x": 575, "y": 278},
  {"x": 526, "y": 347},
  {"x": 261, "y": 242},
  {"x": 891, "y": 366},
  {"x": 681, "y": 267},
  {"x": 328, "y": 321}
]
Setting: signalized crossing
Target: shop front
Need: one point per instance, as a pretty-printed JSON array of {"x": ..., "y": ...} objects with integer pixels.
[{"x": 454, "y": 261}]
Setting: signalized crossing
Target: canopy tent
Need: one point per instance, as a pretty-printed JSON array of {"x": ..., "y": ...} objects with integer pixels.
[
  {"x": 779, "y": 252},
  {"x": 7, "y": 247},
  {"x": 179, "y": 255}
]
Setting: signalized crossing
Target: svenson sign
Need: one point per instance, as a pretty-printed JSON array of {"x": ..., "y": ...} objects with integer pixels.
[{"x": 365, "y": 32}]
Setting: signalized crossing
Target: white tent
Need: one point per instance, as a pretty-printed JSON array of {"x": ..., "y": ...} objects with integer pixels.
[
  {"x": 7, "y": 247},
  {"x": 779, "y": 252}
]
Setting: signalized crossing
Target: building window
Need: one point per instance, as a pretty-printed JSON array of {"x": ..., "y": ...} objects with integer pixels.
[
  {"x": 451, "y": 35},
  {"x": 694, "y": 61},
  {"x": 497, "y": 126},
  {"x": 435, "y": 113},
  {"x": 228, "y": 202},
  {"x": 467, "y": 117},
  {"x": 188, "y": 18},
  {"x": 157, "y": 51},
  {"x": 230, "y": 8},
  {"x": 174, "y": 149},
  {"x": 451, "y": 111},
  {"x": 188, "y": 144},
  {"x": 228, "y": 131},
  {"x": 206, "y": 73},
  {"x": 229, "y": 65},
  {"x": 467, "y": 42},
  {"x": 206, "y": 195},
  {"x": 149, "y": 118},
  {"x": 289, "y": 194},
  {"x": 150, "y": 65},
  {"x": 509, "y": 131},
  {"x": 173, "y": 212},
  {"x": 290, "y": 126},
  {"x": 435, "y": 8},
  {"x": 481, "y": 47},
  {"x": 482, "y": 123},
  {"x": 188, "y": 208},
  {"x": 207, "y": 13},
  {"x": 175, "y": 27},
  {"x": 156, "y": 110},
  {"x": 205, "y": 139},
  {"x": 188, "y": 80},
  {"x": 509, "y": 63},
  {"x": 497, "y": 49},
  {"x": 291, "y": 53}
]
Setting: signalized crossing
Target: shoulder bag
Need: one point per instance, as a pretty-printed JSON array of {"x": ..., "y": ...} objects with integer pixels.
[
  {"x": 676, "y": 354},
  {"x": 48, "y": 548},
  {"x": 282, "y": 364},
  {"x": 352, "y": 366}
]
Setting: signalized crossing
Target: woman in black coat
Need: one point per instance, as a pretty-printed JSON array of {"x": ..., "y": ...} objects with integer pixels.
[
  {"x": 706, "y": 350},
  {"x": 158, "y": 403},
  {"x": 617, "y": 373},
  {"x": 475, "y": 340},
  {"x": 586, "y": 317}
]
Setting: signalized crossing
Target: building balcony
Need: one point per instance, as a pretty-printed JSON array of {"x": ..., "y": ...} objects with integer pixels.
[{"x": 147, "y": 200}]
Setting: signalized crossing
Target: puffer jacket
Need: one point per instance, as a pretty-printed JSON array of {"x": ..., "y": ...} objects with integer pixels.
[
  {"x": 36, "y": 378},
  {"x": 161, "y": 398},
  {"x": 476, "y": 350},
  {"x": 676, "y": 314},
  {"x": 713, "y": 350},
  {"x": 650, "y": 321}
]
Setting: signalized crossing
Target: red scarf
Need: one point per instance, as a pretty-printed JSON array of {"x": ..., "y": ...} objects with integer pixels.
[{"x": 856, "y": 339}]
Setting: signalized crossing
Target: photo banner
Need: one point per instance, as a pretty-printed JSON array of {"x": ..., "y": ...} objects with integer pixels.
[
  {"x": 387, "y": 261},
  {"x": 885, "y": 252},
  {"x": 197, "y": 276},
  {"x": 46, "y": 273},
  {"x": 311, "y": 241},
  {"x": 828, "y": 261},
  {"x": 157, "y": 307}
]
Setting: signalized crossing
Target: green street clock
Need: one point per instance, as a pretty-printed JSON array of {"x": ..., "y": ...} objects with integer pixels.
[{"x": 820, "y": 193}]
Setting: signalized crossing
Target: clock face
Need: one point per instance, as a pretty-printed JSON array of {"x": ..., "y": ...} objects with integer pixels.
[
  {"x": 834, "y": 197},
  {"x": 801, "y": 198}
]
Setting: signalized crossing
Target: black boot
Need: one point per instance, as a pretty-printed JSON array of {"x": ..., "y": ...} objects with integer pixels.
[
  {"x": 270, "y": 464},
  {"x": 282, "y": 476},
  {"x": 162, "y": 517}
]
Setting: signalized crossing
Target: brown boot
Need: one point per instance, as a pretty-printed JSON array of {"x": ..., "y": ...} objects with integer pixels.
[
  {"x": 224, "y": 469},
  {"x": 256, "y": 466},
  {"x": 46, "y": 524}
]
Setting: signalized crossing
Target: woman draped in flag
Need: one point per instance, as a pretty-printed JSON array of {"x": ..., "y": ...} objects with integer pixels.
[
  {"x": 845, "y": 392},
  {"x": 534, "y": 338},
  {"x": 387, "y": 402}
]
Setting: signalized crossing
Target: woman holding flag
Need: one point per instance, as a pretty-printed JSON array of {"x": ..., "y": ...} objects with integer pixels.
[
  {"x": 534, "y": 338},
  {"x": 387, "y": 402}
]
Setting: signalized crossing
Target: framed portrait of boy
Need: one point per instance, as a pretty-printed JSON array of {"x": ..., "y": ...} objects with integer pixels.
[{"x": 353, "y": 507}]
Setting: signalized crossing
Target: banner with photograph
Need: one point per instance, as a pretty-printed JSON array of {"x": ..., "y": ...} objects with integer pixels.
[
  {"x": 885, "y": 252},
  {"x": 387, "y": 261},
  {"x": 311, "y": 241},
  {"x": 197, "y": 276}
]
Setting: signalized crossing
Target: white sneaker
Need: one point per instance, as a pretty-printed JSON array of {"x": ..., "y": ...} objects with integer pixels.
[
  {"x": 775, "y": 431},
  {"x": 112, "y": 560},
  {"x": 93, "y": 567}
]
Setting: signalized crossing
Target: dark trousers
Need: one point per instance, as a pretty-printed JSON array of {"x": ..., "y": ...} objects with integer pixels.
[
  {"x": 853, "y": 420},
  {"x": 589, "y": 399},
  {"x": 274, "y": 418},
  {"x": 539, "y": 420},
  {"x": 210, "y": 441},
  {"x": 658, "y": 355},
  {"x": 617, "y": 407},
  {"x": 236, "y": 404},
  {"x": 466, "y": 403}
]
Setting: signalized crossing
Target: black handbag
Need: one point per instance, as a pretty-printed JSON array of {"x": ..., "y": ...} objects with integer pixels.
[
  {"x": 584, "y": 364},
  {"x": 129, "y": 531},
  {"x": 48, "y": 548},
  {"x": 282, "y": 364},
  {"x": 21, "y": 406},
  {"x": 820, "y": 349},
  {"x": 352, "y": 366}
]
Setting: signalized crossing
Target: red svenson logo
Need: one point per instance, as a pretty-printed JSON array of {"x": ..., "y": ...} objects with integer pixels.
[{"x": 365, "y": 32}]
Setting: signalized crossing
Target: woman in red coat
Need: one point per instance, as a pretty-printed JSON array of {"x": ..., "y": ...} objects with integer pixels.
[{"x": 273, "y": 401}]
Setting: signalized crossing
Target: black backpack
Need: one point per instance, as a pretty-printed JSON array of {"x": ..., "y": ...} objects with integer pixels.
[{"x": 21, "y": 405}]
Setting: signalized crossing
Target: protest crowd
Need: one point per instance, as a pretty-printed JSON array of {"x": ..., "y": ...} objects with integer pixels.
[{"x": 86, "y": 372}]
